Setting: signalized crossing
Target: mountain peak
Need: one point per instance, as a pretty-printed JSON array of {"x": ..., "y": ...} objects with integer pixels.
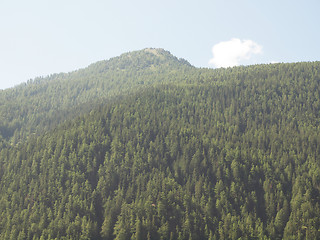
[
  {"x": 156, "y": 51},
  {"x": 145, "y": 58},
  {"x": 148, "y": 58}
]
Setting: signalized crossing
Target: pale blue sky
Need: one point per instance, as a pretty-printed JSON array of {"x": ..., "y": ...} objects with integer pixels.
[{"x": 40, "y": 37}]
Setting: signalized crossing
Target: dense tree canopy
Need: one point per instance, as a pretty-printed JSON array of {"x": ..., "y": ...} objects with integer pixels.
[
  {"x": 193, "y": 154},
  {"x": 43, "y": 103}
]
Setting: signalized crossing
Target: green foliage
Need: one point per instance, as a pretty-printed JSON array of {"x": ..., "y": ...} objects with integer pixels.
[
  {"x": 43, "y": 103},
  {"x": 195, "y": 154}
]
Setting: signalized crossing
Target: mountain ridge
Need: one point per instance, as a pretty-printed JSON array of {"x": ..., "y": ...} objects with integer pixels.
[{"x": 97, "y": 82}]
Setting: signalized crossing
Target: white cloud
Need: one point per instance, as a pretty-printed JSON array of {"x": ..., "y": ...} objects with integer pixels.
[{"x": 231, "y": 53}]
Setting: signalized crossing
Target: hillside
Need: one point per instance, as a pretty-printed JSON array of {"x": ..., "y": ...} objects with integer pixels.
[
  {"x": 193, "y": 154},
  {"x": 43, "y": 103}
]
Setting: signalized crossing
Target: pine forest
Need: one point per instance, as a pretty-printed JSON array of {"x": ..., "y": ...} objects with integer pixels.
[{"x": 147, "y": 146}]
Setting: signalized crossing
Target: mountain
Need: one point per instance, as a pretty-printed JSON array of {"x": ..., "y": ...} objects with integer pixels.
[
  {"x": 191, "y": 154},
  {"x": 43, "y": 103}
]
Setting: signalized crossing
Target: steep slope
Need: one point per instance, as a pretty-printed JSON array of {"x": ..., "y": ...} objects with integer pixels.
[
  {"x": 223, "y": 156},
  {"x": 43, "y": 103}
]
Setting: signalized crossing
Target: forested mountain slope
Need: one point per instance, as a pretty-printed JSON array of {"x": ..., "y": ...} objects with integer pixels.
[
  {"x": 210, "y": 154},
  {"x": 43, "y": 103}
]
